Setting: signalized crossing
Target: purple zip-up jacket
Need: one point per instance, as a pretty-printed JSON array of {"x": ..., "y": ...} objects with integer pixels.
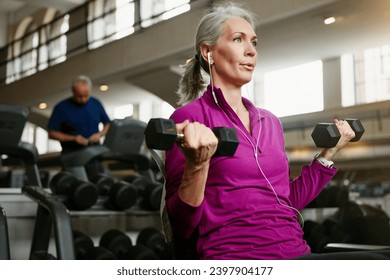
[{"x": 250, "y": 205}]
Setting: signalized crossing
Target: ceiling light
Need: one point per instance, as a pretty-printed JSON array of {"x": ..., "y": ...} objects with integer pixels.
[
  {"x": 42, "y": 105},
  {"x": 103, "y": 87},
  {"x": 329, "y": 20}
]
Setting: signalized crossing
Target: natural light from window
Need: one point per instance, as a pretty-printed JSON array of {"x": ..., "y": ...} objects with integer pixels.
[{"x": 294, "y": 90}]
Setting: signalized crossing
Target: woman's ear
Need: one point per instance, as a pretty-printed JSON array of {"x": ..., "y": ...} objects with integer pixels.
[{"x": 205, "y": 52}]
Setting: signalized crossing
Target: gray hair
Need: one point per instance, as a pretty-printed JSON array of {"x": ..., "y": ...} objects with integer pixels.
[
  {"x": 210, "y": 29},
  {"x": 81, "y": 78}
]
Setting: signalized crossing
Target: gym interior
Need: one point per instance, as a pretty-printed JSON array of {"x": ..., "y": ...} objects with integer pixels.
[{"x": 331, "y": 56}]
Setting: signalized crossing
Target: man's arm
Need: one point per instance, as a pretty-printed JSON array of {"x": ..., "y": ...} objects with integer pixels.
[
  {"x": 63, "y": 137},
  {"x": 96, "y": 136}
]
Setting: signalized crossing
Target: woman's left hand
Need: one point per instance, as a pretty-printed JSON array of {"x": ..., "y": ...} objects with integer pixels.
[{"x": 347, "y": 134}]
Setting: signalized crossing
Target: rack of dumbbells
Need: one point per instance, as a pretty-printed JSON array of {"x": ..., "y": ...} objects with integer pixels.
[
  {"x": 129, "y": 200},
  {"x": 114, "y": 244},
  {"x": 69, "y": 196}
]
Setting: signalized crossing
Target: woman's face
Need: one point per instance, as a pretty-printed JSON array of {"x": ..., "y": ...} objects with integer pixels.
[{"x": 234, "y": 56}]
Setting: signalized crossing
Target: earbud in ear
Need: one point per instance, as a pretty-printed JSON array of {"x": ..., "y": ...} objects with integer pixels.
[{"x": 209, "y": 58}]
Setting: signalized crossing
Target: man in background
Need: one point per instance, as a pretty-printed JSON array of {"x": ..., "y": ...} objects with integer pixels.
[{"x": 75, "y": 120}]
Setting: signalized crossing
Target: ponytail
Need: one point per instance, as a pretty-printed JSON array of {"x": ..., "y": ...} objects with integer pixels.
[{"x": 191, "y": 83}]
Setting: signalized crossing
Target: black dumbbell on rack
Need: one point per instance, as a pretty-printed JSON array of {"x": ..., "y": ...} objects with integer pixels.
[
  {"x": 79, "y": 195},
  {"x": 120, "y": 195},
  {"x": 326, "y": 135},
  {"x": 120, "y": 244},
  {"x": 86, "y": 250},
  {"x": 154, "y": 239},
  {"x": 149, "y": 191},
  {"x": 161, "y": 134}
]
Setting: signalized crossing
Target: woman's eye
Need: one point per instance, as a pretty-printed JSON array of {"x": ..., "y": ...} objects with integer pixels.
[
  {"x": 237, "y": 39},
  {"x": 254, "y": 43}
]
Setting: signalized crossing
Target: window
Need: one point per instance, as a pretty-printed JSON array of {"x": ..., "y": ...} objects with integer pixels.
[
  {"x": 21, "y": 55},
  {"x": 124, "y": 111},
  {"x": 294, "y": 90},
  {"x": 109, "y": 20},
  {"x": 29, "y": 52},
  {"x": 153, "y": 11},
  {"x": 58, "y": 40},
  {"x": 367, "y": 74}
]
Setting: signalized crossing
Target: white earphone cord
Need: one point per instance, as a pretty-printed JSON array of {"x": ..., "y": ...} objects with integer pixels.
[{"x": 254, "y": 147}]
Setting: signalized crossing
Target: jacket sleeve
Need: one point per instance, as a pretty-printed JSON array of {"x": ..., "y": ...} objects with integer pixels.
[
  {"x": 313, "y": 178},
  {"x": 184, "y": 218}
]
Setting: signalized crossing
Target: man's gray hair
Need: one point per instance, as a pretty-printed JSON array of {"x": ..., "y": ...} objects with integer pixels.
[{"x": 82, "y": 78}]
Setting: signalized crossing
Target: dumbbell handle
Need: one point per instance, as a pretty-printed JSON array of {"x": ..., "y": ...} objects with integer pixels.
[
  {"x": 221, "y": 151},
  {"x": 180, "y": 137}
]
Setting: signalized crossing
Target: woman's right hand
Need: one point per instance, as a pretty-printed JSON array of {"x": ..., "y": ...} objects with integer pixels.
[{"x": 199, "y": 143}]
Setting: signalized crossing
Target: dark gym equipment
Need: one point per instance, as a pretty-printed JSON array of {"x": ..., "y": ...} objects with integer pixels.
[
  {"x": 149, "y": 191},
  {"x": 51, "y": 214},
  {"x": 4, "y": 240},
  {"x": 80, "y": 195},
  {"x": 41, "y": 255},
  {"x": 326, "y": 135},
  {"x": 161, "y": 134},
  {"x": 120, "y": 195},
  {"x": 140, "y": 252},
  {"x": 12, "y": 122},
  {"x": 354, "y": 227},
  {"x": 330, "y": 196},
  {"x": 122, "y": 143},
  {"x": 82, "y": 244},
  {"x": 154, "y": 239},
  {"x": 116, "y": 242},
  {"x": 85, "y": 249},
  {"x": 121, "y": 245}
]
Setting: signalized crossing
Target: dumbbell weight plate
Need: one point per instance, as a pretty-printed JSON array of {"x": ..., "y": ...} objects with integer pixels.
[
  {"x": 123, "y": 195},
  {"x": 325, "y": 135},
  {"x": 61, "y": 181},
  {"x": 228, "y": 141},
  {"x": 357, "y": 127},
  {"x": 103, "y": 182},
  {"x": 84, "y": 194},
  {"x": 160, "y": 134},
  {"x": 116, "y": 242},
  {"x": 153, "y": 239}
]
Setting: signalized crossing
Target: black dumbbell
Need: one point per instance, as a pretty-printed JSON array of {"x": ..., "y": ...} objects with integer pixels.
[
  {"x": 326, "y": 135},
  {"x": 116, "y": 242},
  {"x": 121, "y": 195},
  {"x": 154, "y": 239},
  {"x": 120, "y": 244},
  {"x": 86, "y": 250},
  {"x": 161, "y": 134},
  {"x": 140, "y": 252},
  {"x": 149, "y": 191},
  {"x": 80, "y": 195}
]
